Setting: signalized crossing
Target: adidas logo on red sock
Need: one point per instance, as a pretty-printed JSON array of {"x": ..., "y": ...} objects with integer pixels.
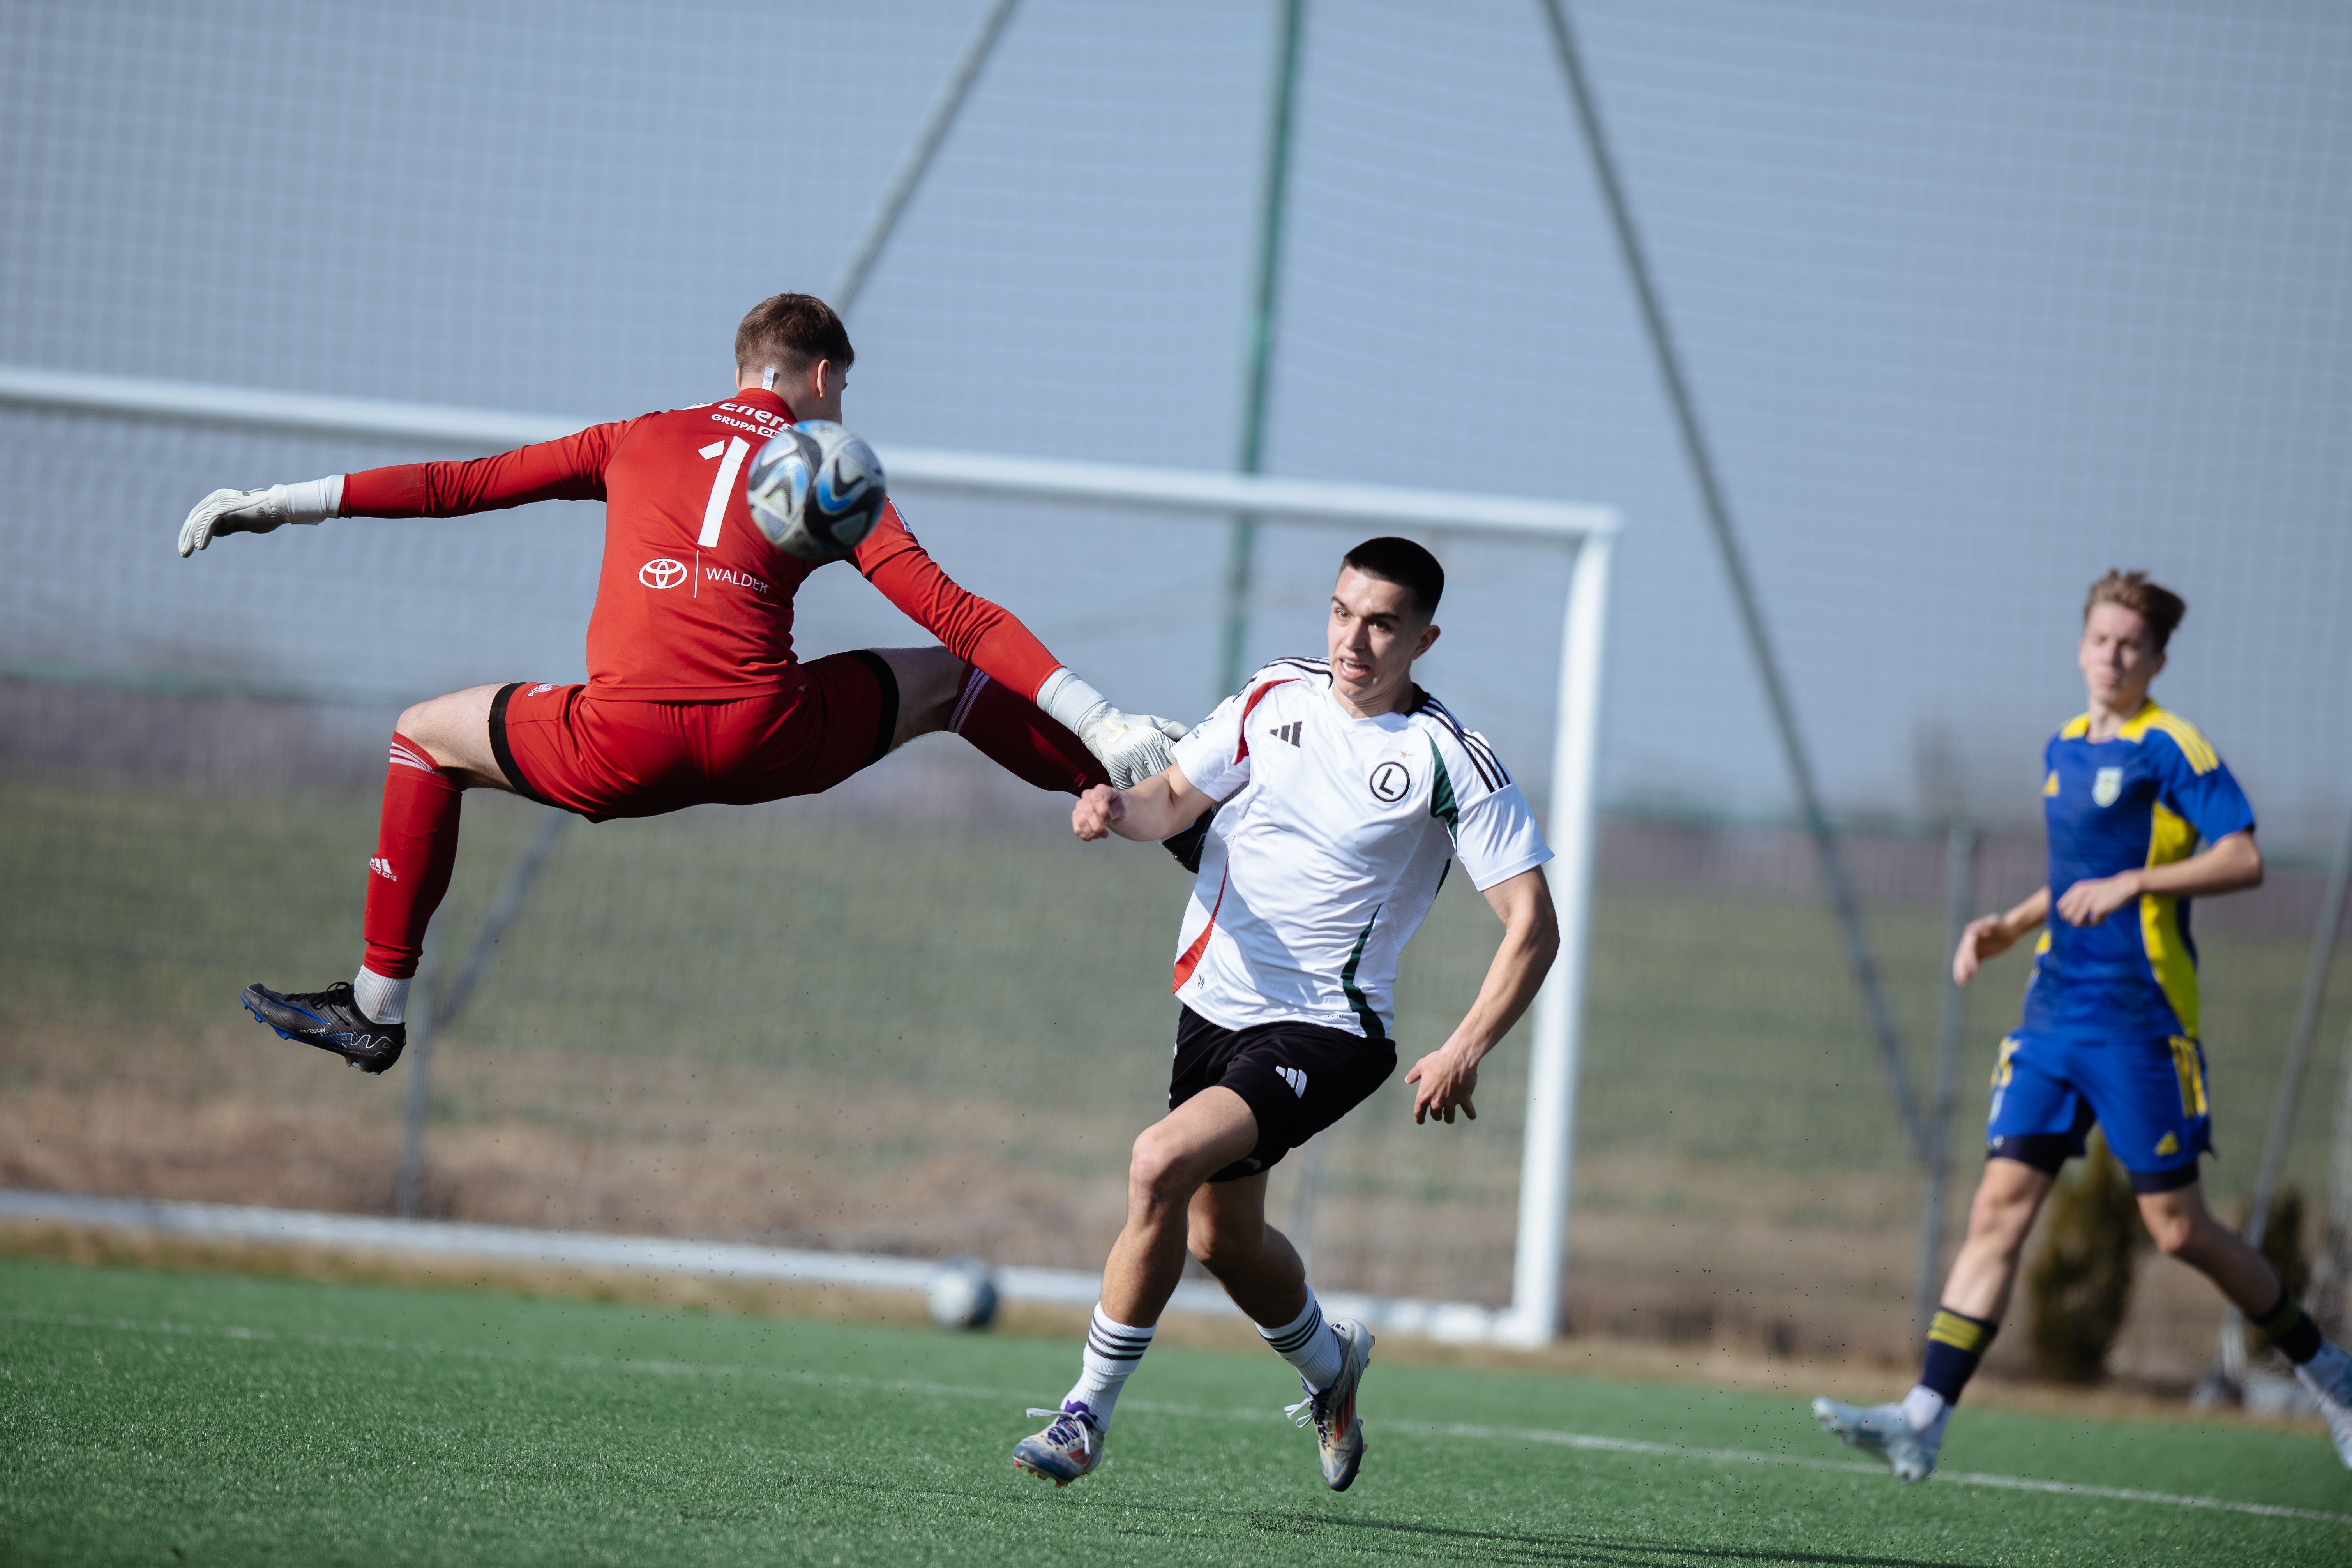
[{"x": 383, "y": 868}]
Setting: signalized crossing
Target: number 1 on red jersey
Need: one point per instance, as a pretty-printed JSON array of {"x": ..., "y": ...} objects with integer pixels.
[{"x": 714, "y": 511}]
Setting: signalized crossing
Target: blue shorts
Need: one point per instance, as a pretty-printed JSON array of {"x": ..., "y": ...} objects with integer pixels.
[{"x": 2147, "y": 1094}]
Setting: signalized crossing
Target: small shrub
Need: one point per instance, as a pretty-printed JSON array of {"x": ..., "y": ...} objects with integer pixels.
[
  {"x": 2283, "y": 1241},
  {"x": 2079, "y": 1285}
]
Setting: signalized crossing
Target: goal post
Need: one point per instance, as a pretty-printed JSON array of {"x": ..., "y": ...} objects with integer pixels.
[
  {"x": 1547, "y": 1164},
  {"x": 1586, "y": 532}
]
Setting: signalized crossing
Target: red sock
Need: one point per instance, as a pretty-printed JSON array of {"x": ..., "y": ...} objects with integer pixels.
[
  {"x": 415, "y": 848},
  {"x": 1013, "y": 734}
]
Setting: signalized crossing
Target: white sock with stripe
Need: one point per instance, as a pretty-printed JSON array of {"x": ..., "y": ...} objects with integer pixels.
[
  {"x": 1113, "y": 1351},
  {"x": 1307, "y": 1343}
]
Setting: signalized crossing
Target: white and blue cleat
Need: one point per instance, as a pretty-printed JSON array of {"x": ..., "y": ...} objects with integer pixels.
[
  {"x": 2328, "y": 1376},
  {"x": 1338, "y": 1435},
  {"x": 1069, "y": 1449},
  {"x": 1883, "y": 1430}
]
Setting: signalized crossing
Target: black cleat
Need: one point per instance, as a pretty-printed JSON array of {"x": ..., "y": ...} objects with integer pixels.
[
  {"x": 330, "y": 1020},
  {"x": 1186, "y": 846}
]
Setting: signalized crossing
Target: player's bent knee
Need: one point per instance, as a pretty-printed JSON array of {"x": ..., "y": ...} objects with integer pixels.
[
  {"x": 2000, "y": 1221},
  {"x": 1992, "y": 1211},
  {"x": 2176, "y": 1217},
  {"x": 1153, "y": 1168},
  {"x": 2008, "y": 1208},
  {"x": 436, "y": 725},
  {"x": 416, "y": 721},
  {"x": 449, "y": 720},
  {"x": 2008, "y": 1198},
  {"x": 1161, "y": 1170},
  {"x": 2175, "y": 1234},
  {"x": 454, "y": 730}
]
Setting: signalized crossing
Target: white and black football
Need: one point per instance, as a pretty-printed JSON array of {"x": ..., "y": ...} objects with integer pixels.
[
  {"x": 963, "y": 1294},
  {"x": 815, "y": 490}
]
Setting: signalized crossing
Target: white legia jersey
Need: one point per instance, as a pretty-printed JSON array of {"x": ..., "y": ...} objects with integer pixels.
[{"x": 1332, "y": 841}]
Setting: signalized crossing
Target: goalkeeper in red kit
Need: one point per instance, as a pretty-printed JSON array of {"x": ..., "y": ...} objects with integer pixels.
[{"x": 693, "y": 693}]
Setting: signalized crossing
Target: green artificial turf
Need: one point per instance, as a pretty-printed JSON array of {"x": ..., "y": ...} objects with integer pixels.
[{"x": 149, "y": 1418}]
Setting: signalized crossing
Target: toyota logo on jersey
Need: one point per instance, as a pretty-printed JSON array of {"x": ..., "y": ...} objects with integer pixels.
[{"x": 662, "y": 573}]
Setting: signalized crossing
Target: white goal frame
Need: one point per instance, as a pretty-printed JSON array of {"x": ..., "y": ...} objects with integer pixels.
[{"x": 1588, "y": 532}]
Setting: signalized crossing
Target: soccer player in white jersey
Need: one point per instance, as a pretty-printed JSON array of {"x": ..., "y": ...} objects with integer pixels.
[{"x": 1344, "y": 793}]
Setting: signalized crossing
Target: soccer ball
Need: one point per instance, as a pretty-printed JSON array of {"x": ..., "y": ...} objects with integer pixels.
[
  {"x": 815, "y": 490},
  {"x": 963, "y": 1296}
]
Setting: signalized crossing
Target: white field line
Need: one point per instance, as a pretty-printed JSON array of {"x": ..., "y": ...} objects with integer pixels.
[
  {"x": 1589, "y": 1442},
  {"x": 1593, "y": 1442}
]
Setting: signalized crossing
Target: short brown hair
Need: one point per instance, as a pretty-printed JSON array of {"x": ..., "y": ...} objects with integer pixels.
[
  {"x": 2160, "y": 607},
  {"x": 789, "y": 331}
]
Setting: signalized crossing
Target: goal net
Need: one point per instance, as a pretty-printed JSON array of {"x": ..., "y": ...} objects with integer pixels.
[
  {"x": 1948, "y": 379},
  {"x": 911, "y": 1017}
]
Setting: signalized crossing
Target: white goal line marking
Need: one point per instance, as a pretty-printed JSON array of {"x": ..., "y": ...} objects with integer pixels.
[{"x": 1589, "y": 1442}]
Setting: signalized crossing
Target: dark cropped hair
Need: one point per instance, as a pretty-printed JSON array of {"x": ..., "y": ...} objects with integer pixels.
[
  {"x": 791, "y": 331},
  {"x": 2160, "y": 607},
  {"x": 1405, "y": 563}
]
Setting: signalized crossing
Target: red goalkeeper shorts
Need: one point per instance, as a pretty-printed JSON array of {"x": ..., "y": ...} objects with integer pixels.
[{"x": 566, "y": 746}]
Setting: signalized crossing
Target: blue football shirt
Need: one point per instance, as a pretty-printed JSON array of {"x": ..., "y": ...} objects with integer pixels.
[{"x": 2145, "y": 799}]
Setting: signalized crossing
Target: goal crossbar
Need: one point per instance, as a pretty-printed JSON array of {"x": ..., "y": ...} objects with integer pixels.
[
  {"x": 914, "y": 468},
  {"x": 1587, "y": 532}
]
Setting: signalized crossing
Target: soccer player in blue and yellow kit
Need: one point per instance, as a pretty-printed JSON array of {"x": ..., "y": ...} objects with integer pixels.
[{"x": 2109, "y": 1034}]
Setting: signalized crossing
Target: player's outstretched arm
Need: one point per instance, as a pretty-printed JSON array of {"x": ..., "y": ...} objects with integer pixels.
[
  {"x": 1988, "y": 936},
  {"x": 2234, "y": 863},
  {"x": 1162, "y": 805},
  {"x": 260, "y": 511},
  {"x": 1131, "y": 747},
  {"x": 1445, "y": 1078},
  {"x": 569, "y": 470}
]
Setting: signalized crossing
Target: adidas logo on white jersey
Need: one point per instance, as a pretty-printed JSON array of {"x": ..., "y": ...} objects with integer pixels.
[
  {"x": 383, "y": 868},
  {"x": 1296, "y": 1078},
  {"x": 1290, "y": 731}
]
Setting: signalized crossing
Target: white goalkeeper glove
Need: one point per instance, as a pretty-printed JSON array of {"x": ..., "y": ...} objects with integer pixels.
[
  {"x": 259, "y": 511},
  {"x": 1131, "y": 747}
]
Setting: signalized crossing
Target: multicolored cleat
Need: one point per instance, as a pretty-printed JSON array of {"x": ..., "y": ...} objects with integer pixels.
[
  {"x": 1069, "y": 1447},
  {"x": 330, "y": 1020},
  {"x": 1885, "y": 1431},
  {"x": 1332, "y": 1411},
  {"x": 2328, "y": 1376}
]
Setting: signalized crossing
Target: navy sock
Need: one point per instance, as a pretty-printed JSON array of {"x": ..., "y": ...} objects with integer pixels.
[
  {"x": 2290, "y": 1328},
  {"x": 1955, "y": 1343}
]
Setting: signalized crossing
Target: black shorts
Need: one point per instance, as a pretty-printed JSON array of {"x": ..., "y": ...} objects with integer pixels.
[{"x": 1296, "y": 1079}]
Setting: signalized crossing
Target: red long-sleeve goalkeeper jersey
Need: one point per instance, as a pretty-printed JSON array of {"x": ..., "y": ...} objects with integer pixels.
[{"x": 692, "y": 601}]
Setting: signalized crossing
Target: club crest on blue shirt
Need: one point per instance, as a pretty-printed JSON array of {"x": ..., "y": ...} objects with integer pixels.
[{"x": 2107, "y": 786}]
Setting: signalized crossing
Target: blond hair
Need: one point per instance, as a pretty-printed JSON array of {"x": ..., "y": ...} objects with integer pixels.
[{"x": 2159, "y": 606}]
